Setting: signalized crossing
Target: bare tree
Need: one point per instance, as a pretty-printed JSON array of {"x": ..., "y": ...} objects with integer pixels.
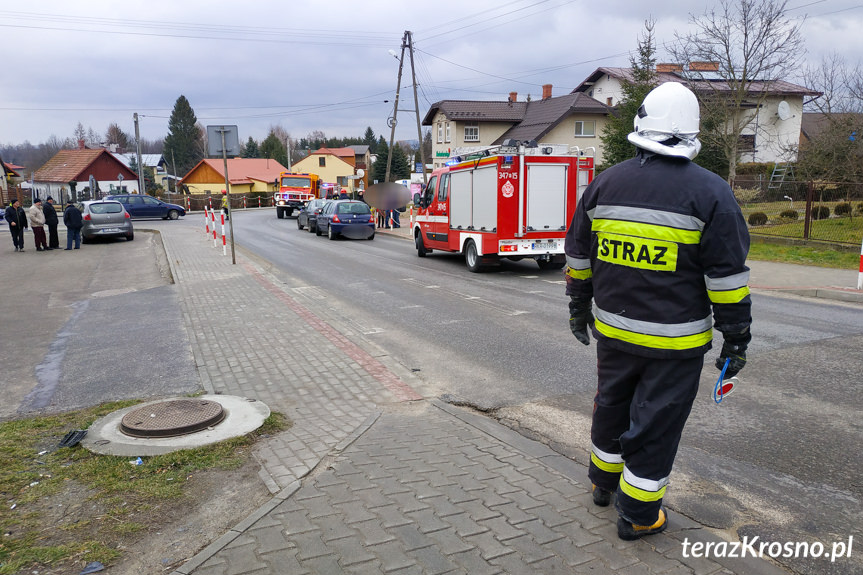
[
  {"x": 754, "y": 44},
  {"x": 832, "y": 148}
]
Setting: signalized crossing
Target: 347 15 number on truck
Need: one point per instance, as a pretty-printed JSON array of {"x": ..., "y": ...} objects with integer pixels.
[
  {"x": 293, "y": 191},
  {"x": 512, "y": 201}
]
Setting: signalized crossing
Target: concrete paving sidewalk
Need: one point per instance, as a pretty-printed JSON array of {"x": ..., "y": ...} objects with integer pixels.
[{"x": 372, "y": 477}]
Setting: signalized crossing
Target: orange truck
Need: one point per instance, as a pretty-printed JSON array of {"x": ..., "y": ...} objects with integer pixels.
[{"x": 293, "y": 191}]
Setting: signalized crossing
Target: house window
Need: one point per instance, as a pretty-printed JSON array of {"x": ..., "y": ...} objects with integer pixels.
[
  {"x": 471, "y": 132},
  {"x": 746, "y": 143},
  {"x": 447, "y": 133},
  {"x": 440, "y": 133},
  {"x": 322, "y": 162},
  {"x": 585, "y": 128}
]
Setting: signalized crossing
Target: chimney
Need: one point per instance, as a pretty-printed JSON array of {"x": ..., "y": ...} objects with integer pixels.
[
  {"x": 546, "y": 91},
  {"x": 668, "y": 68},
  {"x": 704, "y": 66},
  {"x": 513, "y": 96},
  {"x": 80, "y": 144}
]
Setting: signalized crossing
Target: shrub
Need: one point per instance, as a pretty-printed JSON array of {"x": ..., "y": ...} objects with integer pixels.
[
  {"x": 843, "y": 209},
  {"x": 789, "y": 214},
  {"x": 746, "y": 195},
  {"x": 820, "y": 213},
  {"x": 860, "y": 208},
  {"x": 757, "y": 219}
]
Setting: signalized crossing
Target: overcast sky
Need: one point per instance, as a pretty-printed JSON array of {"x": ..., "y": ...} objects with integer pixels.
[{"x": 323, "y": 65}]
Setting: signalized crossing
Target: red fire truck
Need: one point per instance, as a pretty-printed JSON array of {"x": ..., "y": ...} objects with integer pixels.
[
  {"x": 293, "y": 191},
  {"x": 512, "y": 201}
]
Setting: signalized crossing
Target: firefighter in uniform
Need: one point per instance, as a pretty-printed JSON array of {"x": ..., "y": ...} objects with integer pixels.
[
  {"x": 225, "y": 204},
  {"x": 659, "y": 244}
]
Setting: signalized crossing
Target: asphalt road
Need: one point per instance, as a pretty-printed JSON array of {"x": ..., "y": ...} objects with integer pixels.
[{"x": 779, "y": 459}]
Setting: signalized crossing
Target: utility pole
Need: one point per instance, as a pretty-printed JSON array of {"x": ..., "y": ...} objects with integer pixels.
[
  {"x": 417, "y": 105},
  {"x": 407, "y": 42},
  {"x": 394, "y": 119},
  {"x": 141, "y": 189}
]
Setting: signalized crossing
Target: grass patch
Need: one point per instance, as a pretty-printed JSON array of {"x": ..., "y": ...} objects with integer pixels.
[
  {"x": 804, "y": 255},
  {"x": 66, "y": 505}
]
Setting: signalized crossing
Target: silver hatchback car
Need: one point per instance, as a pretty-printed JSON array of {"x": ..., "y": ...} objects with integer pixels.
[{"x": 105, "y": 218}]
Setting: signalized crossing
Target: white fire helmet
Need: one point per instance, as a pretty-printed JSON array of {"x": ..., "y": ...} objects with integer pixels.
[{"x": 667, "y": 122}]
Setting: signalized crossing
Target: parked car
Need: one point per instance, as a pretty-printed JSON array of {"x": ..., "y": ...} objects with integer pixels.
[
  {"x": 105, "y": 218},
  {"x": 349, "y": 218},
  {"x": 307, "y": 215},
  {"x": 143, "y": 206}
]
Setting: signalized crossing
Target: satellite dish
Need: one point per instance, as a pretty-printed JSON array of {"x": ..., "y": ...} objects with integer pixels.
[{"x": 784, "y": 110}]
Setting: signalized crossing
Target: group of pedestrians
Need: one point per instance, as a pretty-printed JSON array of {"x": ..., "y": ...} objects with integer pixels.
[{"x": 36, "y": 217}]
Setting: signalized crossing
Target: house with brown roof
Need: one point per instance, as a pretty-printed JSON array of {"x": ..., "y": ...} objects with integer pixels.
[
  {"x": 574, "y": 119},
  {"x": 773, "y": 119},
  {"x": 333, "y": 166},
  {"x": 245, "y": 176},
  {"x": 67, "y": 175}
]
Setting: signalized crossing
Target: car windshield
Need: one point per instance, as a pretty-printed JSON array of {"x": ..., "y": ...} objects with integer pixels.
[
  {"x": 358, "y": 208},
  {"x": 296, "y": 183},
  {"x": 106, "y": 208}
]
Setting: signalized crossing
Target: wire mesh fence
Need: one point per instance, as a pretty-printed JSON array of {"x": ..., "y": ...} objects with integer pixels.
[{"x": 825, "y": 211}]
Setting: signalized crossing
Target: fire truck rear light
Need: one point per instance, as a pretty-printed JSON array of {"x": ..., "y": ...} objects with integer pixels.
[{"x": 509, "y": 248}]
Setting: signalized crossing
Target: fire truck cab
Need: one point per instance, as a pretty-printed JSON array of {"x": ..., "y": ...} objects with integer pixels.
[
  {"x": 511, "y": 201},
  {"x": 293, "y": 191}
]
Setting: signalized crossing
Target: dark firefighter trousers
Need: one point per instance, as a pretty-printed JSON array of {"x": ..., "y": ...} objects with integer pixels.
[{"x": 640, "y": 409}]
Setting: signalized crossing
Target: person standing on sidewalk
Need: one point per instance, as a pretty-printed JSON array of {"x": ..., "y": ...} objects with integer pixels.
[
  {"x": 51, "y": 221},
  {"x": 656, "y": 242},
  {"x": 74, "y": 222},
  {"x": 17, "y": 220},
  {"x": 37, "y": 223}
]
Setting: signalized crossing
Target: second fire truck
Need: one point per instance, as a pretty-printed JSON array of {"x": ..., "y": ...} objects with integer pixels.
[{"x": 511, "y": 201}]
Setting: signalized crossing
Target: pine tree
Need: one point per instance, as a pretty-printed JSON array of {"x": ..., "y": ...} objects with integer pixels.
[
  {"x": 250, "y": 150},
  {"x": 615, "y": 147},
  {"x": 379, "y": 168},
  {"x": 183, "y": 138}
]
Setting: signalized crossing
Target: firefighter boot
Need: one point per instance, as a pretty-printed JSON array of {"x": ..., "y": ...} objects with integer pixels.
[
  {"x": 601, "y": 497},
  {"x": 630, "y": 532}
]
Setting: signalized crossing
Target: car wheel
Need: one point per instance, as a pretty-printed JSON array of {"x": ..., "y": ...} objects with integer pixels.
[
  {"x": 299, "y": 224},
  {"x": 371, "y": 237},
  {"x": 312, "y": 226},
  {"x": 280, "y": 213},
  {"x": 130, "y": 237},
  {"x": 173, "y": 214},
  {"x": 331, "y": 234},
  {"x": 471, "y": 257},
  {"x": 421, "y": 248},
  {"x": 317, "y": 230}
]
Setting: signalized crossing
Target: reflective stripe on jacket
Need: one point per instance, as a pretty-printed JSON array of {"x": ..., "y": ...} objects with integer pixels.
[{"x": 660, "y": 244}]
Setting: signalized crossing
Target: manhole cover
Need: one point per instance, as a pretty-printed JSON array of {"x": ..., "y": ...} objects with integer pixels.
[{"x": 172, "y": 418}]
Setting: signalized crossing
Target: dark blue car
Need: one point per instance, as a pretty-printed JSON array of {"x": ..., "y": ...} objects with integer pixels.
[
  {"x": 348, "y": 218},
  {"x": 143, "y": 206}
]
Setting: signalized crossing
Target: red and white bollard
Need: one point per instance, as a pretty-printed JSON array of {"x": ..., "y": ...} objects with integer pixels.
[
  {"x": 188, "y": 204},
  {"x": 206, "y": 221},
  {"x": 259, "y": 201},
  {"x": 391, "y": 224},
  {"x": 244, "y": 202},
  {"x": 210, "y": 200},
  {"x": 224, "y": 242},
  {"x": 213, "y": 216},
  {"x": 860, "y": 275}
]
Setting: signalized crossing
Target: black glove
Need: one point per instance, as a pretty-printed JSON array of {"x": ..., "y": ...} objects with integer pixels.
[
  {"x": 734, "y": 350},
  {"x": 580, "y": 316}
]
